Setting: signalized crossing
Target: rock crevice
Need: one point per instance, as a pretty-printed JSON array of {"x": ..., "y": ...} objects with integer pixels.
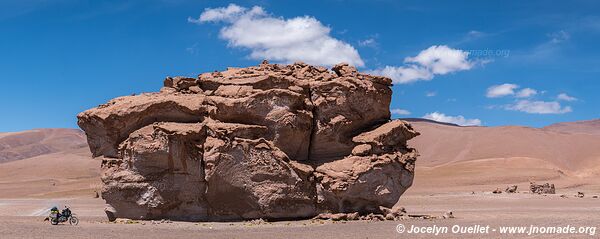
[{"x": 270, "y": 141}]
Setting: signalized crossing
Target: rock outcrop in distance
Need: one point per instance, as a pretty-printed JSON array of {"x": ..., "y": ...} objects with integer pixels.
[{"x": 270, "y": 141}]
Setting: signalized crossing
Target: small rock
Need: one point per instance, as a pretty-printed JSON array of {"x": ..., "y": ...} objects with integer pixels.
[
  {"x": 377, "y": 217},
  {"x": 448, "y": 214},
  {"x": 511, "y": 189},
  {"x": 497, "y": 191},
  {"x": 420, "y": 216},
  {"x": 352, "y": 216},
  {"x": 257, "y": 221},
  {"x": 110, "y": 213},
  {"x": 580, "y": 194},
  {"x": 123, "y": 221},
  {"x": 385, "y": 211},
  {"x": 332, "y": 216},
  {"x": 542, "y": 188}
]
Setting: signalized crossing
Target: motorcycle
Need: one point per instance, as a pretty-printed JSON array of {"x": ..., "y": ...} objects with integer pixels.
[{"x": 66, "y": 215}]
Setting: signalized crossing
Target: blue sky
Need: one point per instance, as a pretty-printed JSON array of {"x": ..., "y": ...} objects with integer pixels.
[{"x": 492, "y": 63}]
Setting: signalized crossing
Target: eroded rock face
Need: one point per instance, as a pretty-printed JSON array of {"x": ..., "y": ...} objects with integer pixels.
[{"x": 271, "y": 141}]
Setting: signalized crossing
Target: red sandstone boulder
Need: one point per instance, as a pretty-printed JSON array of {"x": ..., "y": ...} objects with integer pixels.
[{"x": 271, "y": 141}]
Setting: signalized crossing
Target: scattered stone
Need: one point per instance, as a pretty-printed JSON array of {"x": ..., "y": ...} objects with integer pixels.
[
  {"x": 110, "y": 213},
  {"x": 332, "y": 216},
  {"x": 395, "y": 211},
  {"x": 421, "y": 216},
  {"x": 391, "y": 214},
  {"x": 448, "y": 215},
  {"x": 497, "y": 191},
  {"x": 563, "y": 196},
  {"x": 352, "y": 216},
  {"x": 284, "y": 141},
  {"x": 580, "y": 195},
  {"x": 595, "y": 196},
  {"x": 511, "y": 189},
  {"x": 258, "y": 221},
  {"x": 375, "y": 217},
  {"x": 125, "y": 221},
  {"x": 545, "y": 188}
]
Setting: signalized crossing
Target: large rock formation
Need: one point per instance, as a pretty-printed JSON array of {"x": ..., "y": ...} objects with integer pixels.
[{"x": 271, "y": 141}]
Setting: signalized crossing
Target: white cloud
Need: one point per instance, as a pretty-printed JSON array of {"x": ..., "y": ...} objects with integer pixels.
[
  {"x": 459, "y": 120},
  {"x": 194, "y": 50},
  {"x": 430, "y": 93},
  {"x": 369, "y": 42},
  {"x": 279, "y": 39},
  {"x": 400, "y": 112},
  {"x": 559, "y": 36},
  {"x": 526, "y": 93},
  {"x": 442, "y": 60},
  {"x": 229, "y": 13},
  {"x": 475, "y": 34},
  {"x": 435, "y": 60},
  {"x": 404, "y": 74},
  {"x": 565, "y": 97},
  {"x": 501, "y": 90},
  {"x": 539, "y": 107}
]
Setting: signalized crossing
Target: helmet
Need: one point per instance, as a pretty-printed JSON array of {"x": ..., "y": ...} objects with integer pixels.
[{"x": 54, "y": 209}]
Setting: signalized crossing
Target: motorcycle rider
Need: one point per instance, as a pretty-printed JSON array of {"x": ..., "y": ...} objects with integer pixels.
[{"x": 55, "y": 210}]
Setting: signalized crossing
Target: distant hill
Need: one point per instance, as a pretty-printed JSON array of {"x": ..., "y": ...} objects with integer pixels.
[
  {"x": 577, "y": 127},
  {"x": 459, "y": 156},
  {"x": 428, "y": 121},
  {"x": 47, "y": 163},
  {"x": 32, "y": 143}
]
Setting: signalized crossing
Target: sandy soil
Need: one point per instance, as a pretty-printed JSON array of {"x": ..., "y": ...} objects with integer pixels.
[{"x": 56, "y": 175}]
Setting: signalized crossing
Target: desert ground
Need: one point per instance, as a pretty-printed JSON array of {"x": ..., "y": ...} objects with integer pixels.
[
  {"x": 479, "y": 209},
  {"x": 22, "y": 218},
  {"x": 458, "y": 169}
]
